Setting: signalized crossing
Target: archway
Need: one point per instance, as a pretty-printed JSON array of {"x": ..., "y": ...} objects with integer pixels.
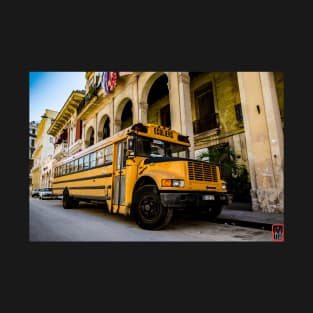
[
  {"x": 90, "y": 137},
  {"x": 104, "y": 127},
  {"x": 158, "y": 102},
  {"x": 127, "y": 115}
]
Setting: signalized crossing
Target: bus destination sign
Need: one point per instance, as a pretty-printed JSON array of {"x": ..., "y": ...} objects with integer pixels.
[{"x": 163, "y": 132}]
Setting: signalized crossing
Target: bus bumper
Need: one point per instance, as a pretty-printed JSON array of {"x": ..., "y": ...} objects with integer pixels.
[{"x": 192, "y": 199}]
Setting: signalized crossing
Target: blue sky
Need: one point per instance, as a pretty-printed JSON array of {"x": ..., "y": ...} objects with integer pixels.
[{"x": 50, "y": 90}]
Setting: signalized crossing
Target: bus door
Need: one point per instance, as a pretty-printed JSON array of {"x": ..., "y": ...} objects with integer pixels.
[{"x": 119, "y": 189}]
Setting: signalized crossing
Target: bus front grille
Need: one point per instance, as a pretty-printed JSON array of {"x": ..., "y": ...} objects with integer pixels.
[{"x": 202, "y": 171}]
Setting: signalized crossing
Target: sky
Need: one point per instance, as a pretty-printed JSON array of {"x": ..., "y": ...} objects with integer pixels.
[{"x": 50, "y": 90}]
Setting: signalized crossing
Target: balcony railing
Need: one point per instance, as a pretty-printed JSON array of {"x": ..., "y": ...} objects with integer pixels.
[
  {"x": 60, "y": 151},
  {"x": 205, "y": 124},
  {"x": 91, "y": 93},
  {"x": 76, "y": 146}
]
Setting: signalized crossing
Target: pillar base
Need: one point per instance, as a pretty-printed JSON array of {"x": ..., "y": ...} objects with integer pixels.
[{"x": 267, "y": 200}]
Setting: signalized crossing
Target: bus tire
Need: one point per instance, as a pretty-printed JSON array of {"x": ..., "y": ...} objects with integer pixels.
[
  {"x": 149, "y": 213},
  {"x": 211, "y": 212},
  {"x": 67, "y": 201}
]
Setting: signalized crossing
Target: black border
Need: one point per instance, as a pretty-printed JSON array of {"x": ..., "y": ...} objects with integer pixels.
[{"x": 235, "y": 268}]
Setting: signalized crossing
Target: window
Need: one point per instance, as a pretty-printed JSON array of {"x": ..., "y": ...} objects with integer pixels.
[
  {"x": 81, "y": 164},
  {"x": 67, "y": 168},
  {"x": 106, "y": 128},
  {"x": 238, "y": 112},
  {"x": 78, "y": 129},
  {"x": 76, "y": 166},
  {"x": 100, "y": 157},
  {"x": 63, "y": 169},
  {"x": 92, "y": 160},
  {"x": 121, "y": 160},
  {"x": 149, "y": 147},
  {"x": 86, "y": 161},
  {"x": 108, "y": 154},
  {"x": 205, "y": 109},
  {"x": 72, "y": 167}
]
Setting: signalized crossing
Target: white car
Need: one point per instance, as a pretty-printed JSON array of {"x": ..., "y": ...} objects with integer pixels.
[
  {"x": 46, "y": 193},
  {"x": 35, "y": 192}
]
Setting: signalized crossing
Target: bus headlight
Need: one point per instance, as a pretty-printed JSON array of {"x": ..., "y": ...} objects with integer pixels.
[
  {"x": 224, "y": 186},
  {"x": 173, "y": 183}
]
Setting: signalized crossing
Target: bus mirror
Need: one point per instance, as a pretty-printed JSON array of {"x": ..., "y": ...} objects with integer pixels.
[
  {"x": 130, "y": 146},
  {"x": 130, "y": 154}
]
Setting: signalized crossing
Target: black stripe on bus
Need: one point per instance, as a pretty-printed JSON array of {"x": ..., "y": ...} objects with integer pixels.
[
  {"x": 87, "y": 187},
  {"x": 83, "y": 187},
  {"x": 83, "y": 178},
  {"x": 92, "y": 197}
]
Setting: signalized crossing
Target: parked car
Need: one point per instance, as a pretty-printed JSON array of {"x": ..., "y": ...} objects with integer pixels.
[
  {"x": 35, "y": 192},
  {"x": 46, "y": 193}
]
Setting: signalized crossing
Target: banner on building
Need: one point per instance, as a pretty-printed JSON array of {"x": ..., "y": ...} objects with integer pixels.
[{"x": 124, "y": 73}]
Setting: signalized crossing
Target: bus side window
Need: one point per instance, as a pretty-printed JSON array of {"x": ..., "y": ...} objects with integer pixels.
[
  {"x": 81, "y": 164},
  {"x": 100, "y": 157},
  {"x": 108, "y": 154},
  {"x": 86, "y": 161},
  {"x": 76, "y": 166},
  {"x": 92, "y": 160}
]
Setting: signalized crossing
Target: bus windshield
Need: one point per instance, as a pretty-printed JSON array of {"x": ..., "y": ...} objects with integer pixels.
[{"x": 149, "y": 147}]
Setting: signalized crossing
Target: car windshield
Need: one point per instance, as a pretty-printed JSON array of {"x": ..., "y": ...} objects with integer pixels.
[
  {"x": 150, "y": 147},
  {"x": 46, "y": 189}
]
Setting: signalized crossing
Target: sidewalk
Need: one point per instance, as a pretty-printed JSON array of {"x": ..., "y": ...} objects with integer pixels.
[{"x": 238, "y": 211}]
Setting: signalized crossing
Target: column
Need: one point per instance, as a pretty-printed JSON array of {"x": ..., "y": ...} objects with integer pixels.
[
  {"x": 135, "y": 100},
  {"x": 143, "y": 112},
  {"x": 256, "y": 99},
  {"x": 180, "y": 105},
  {"x": 275, "y": 131},
  {"x": 117, "y": 126},
  {"x": 185, "y": 108}
]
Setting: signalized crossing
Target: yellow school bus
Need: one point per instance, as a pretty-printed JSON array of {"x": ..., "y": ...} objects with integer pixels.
[{"x": 143, "y": 171}]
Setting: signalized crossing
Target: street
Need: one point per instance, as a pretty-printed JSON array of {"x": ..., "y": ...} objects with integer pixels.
[{"x": 48, "y": 221}]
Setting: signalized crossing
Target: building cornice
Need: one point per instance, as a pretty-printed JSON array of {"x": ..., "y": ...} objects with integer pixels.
[{"x": 68, "y": 110}]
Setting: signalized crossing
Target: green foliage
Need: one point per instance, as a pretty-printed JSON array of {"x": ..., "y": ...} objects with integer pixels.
[{"x": 236, "y": 175}]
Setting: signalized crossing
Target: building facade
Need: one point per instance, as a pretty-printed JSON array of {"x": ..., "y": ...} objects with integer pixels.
[
  {"x": 31, "y": 147},
  {"x": 241, "y": 110},
  {"x": 44, "y": 147}
]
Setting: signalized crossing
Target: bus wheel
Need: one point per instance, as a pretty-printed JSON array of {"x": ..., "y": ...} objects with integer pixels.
[
  {"x": 148, "y": 211},
  {"x": 67, "y": 200},
  {"x": 211, "y": 212}
]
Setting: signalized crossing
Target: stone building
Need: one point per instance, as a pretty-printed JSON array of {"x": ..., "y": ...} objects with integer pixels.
[
  {"x": 44, "y": 148},
  {"x": 31, "y": 147},
  {"x": 243, "y": 110}
]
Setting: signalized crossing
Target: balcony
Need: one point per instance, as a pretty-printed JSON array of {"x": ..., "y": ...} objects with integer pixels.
[
  {"x": 60, "y": 151},
  {"x": 205, "y": 124},
  {"x": 91, "y": 93},
  {"x": 76, "y": 147}
]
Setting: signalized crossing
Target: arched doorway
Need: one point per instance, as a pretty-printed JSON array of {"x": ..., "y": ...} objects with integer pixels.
[
  {"x": 90, "y": 137},
  {"x": 127, "y": 115},
  {"x": 158, "y": 102},
  {"x": 104, "y": 127}
]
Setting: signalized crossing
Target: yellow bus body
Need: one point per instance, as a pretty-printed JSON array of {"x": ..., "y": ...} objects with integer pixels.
[{"x": 118, "y": 172}]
